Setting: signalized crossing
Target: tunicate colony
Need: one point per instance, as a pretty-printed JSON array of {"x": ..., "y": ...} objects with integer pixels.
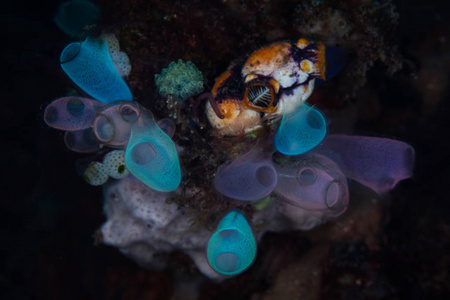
[{"x": 307, "y": 182}]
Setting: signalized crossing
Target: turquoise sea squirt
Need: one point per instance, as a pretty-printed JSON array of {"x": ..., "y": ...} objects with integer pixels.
[
  {"x": 300, "y": 131},
  {"x": 232, "y": 248},
  {"x": 89, "y": 65},
  {"x": 151, "y": 155}
]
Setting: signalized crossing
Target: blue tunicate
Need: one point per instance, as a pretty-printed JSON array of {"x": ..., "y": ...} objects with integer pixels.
[
  {"x": 73, "y": 17},
  {"x": 232, "y": 247},
  {"x": 89, "y": 65},
  {"x": 151, "y": 156},
  {"x": 300, "y": 131}
]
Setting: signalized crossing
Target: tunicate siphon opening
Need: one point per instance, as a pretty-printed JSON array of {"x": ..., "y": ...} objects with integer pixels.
[
  {"x": 306, "y": 176},
  {"x": 334, "y": 193},
  {"x": 121, "y": 169},
  {"x": 129, "y": 113},
  {"x": 265, "y": 176},
  {"x": 143, "y": 153},
  {"x": 227, "y": 262},
  {"x": 168, "y": 126},
  {"x": 70, "y": 52},
  {"x": 75, "y": 106},
  {"x": 103, "y": 128},
  {"x": 50, "y": 115}
]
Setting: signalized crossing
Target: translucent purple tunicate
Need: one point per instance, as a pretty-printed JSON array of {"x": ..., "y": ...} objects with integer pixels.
[
  {"x": 249, "y": 177},
  {"x": 81, "y": 141},
  {"x": 314, "y": 183},
  {"x": 71, "y": 113},
  {"x": 378, "y": 163},
  {"x": 111, "y": 125},
  {"x": 168, "y": 126}
]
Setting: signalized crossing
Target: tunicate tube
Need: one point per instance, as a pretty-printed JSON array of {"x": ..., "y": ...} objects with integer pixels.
[
  {"x": 314, "y": 183},
  {"x": 89, "y": 65},
  {"x": 71, "y": 113},
  {"x": 112, "y": 124},
  {"x": 249, "y": 177},
  {"x": 151, "y": 155},
  {"x": 232, "y": 248},
  {"x": 300, "y": 131},
  {"x": 378, "y": 163}
]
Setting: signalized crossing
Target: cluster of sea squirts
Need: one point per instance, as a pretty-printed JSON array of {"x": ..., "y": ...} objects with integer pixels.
[{"x": 266, "y": 89}]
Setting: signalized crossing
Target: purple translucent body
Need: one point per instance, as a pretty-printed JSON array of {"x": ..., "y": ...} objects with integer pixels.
[
  {"x": 250, "y": 177},
  {"x": 378, "y": 163},
  {"x": 71, "y": 113},
  {"x": 111, "y": 125},
  {"x": 314, "y": 183},
  {"x": 81, "y": 141},
  {"x": 168, "y": 126}
]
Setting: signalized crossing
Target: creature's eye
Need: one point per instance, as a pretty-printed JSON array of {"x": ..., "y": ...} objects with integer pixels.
[{"x": 260, "y": 97}]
